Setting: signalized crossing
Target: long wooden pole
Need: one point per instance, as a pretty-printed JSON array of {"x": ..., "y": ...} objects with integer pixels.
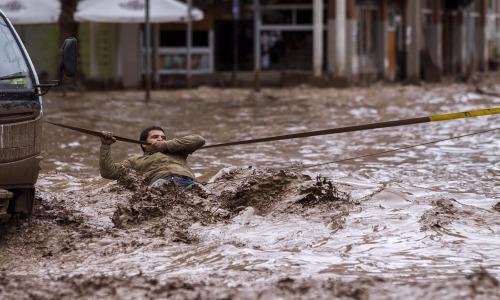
[
  {"x": 97, "y": 133},
  {"x": 433, "y": 118}
]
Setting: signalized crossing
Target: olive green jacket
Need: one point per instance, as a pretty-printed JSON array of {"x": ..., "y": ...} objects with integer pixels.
[{"x": 156, "y": 165}]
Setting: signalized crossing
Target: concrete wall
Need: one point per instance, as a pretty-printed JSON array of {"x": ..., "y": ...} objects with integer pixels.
[{"x": 128, "y": 67}]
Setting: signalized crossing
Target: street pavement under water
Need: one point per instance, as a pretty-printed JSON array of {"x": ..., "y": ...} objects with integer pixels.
[{"x": 421, "y": 223}]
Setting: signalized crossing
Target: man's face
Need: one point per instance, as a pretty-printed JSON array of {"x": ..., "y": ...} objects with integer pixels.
[{"x": 156, "y": 136}]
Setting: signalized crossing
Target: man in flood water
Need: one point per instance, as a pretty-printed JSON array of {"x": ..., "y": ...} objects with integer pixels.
[{"x": 162, "y": 162}]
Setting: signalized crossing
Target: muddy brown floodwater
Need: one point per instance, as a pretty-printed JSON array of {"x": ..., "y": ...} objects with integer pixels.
[{"x": 422, "y": 223}]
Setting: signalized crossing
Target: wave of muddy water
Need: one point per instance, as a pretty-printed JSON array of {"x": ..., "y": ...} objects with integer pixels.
[{"x": 420, "y": 223}]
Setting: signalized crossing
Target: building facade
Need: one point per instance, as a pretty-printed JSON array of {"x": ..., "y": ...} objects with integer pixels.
[{"x": 289, "y": 41}]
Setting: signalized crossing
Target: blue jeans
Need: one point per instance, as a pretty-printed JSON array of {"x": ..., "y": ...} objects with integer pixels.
[{"x": 182, "y": 181}]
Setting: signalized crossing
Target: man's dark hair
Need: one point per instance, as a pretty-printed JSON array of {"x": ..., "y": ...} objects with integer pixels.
[{"x": 145, "y": 133}]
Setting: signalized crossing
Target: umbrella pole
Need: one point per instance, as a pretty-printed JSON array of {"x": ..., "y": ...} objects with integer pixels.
[
  {"x": 148, "y": 57},
  {"x": 235, "y": 51},
  {"x": 256, "y": 20},
  {"x": 236, "y": 16},
  {"x": 189, "y": 39}
]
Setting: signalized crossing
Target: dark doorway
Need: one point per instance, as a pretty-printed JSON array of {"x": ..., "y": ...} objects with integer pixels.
[
  {"x": 287, "y": 50},
  {"x": 224, "y": 45}
]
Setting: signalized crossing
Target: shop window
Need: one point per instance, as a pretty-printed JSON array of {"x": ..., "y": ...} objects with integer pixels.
[
  {"x": 172, "y": 52},
  {"x": 286, "y": 50},
  {"x": 291, "y": 15},
  {"x": 304, "y": 16},
  {"x": 286, "y": 36},
  {"x": 277, "y": 17},
  {"x": 178, "y": 38},
  {"x": 224, "y": 49}
]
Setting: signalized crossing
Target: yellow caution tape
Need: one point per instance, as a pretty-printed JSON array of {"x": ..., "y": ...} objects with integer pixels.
[{"x": 465, "y": 114}]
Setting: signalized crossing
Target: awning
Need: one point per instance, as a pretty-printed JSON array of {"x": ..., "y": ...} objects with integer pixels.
[
  {"x": 133, "y": 11},
  {"x": 31, "y": 11}
]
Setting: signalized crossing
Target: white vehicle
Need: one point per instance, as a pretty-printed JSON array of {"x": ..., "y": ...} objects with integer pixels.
[{"x": 21, "y": 115}]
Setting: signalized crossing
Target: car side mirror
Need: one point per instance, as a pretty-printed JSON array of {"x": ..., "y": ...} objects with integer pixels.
[
  {"x": 68, "y": 61},
  {"x": 68, "y": 65}
]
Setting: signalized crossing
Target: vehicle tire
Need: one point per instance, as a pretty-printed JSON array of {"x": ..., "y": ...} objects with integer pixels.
[
  {"x": 22, "y": 202},
  {"x": 5, "y": 197}
]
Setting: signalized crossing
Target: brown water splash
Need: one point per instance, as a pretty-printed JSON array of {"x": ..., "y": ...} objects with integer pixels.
[
  {"x": 163, "y": 211},
  {"x": 268, "y": 191},
  {"x": 497, "y": 207},
  {"x": 443, "y": 213},
  {"x": 277, "y": 191}
]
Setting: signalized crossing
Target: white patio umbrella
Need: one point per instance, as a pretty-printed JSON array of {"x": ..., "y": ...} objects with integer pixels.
[
  {"x": 133, "y": 11},
  {"x": 31, "y": 11}
]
